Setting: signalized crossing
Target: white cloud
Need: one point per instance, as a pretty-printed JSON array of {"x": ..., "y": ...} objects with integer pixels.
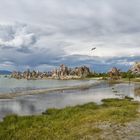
[
  {"x": 54, "y": 31},
  {"x": 18, "y": 41}
]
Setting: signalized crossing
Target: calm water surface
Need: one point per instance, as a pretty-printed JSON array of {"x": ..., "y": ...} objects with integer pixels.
[
  {"x": 35, "y": 104},
  {"x": 10, "y": 85}
]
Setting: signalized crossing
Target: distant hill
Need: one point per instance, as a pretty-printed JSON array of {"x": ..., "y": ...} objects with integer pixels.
[{"x": 3, "y": 72}]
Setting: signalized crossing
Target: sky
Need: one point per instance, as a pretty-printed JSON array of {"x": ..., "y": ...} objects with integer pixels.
[{"x": 42, "y": 34}]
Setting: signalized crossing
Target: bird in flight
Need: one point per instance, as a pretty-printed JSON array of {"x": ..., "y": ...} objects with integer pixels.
[{"x": 93, "y": 49}]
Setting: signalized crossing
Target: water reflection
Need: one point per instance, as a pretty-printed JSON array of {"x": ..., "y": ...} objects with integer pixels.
[
  {"x": 35, "y": 104},
  {"x": 8, "y": 85}
]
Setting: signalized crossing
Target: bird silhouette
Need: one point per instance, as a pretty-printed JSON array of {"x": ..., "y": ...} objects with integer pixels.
[{"x": 93, "y": 49}]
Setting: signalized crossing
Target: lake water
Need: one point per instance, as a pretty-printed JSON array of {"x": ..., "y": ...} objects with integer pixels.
[
  {"x": 36, "y": 104},
  {"x": 10, "y": 85}
]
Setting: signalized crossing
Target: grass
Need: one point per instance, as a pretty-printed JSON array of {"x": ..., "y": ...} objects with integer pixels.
[
  {"x": 70, "y": 123},
  {"x": 135, "y": 80},
  {"x": 131, "y": 80}
]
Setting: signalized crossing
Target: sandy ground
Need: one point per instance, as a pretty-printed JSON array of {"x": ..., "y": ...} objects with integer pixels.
[{"x": 127, "y": 131}]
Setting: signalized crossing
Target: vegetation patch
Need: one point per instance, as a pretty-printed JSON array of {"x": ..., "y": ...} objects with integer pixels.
[{"x": 70, "y": 123}]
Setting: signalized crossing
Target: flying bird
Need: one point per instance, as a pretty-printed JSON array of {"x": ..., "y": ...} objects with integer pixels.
[{"x": 93, "y": 49}]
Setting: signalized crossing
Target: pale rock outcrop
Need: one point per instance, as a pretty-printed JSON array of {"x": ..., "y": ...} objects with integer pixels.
[
  {"x": 114, "y": 73},
  {"x": 63, "y": 72},
  {"x": 69, "y": 73},
  {"x": 136, "y": 68}
]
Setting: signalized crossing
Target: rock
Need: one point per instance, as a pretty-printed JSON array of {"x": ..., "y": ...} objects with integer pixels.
[
  {"x": 136, "y": 68},
  {"x": 114, "y": 73},
  {"x": 70, "y": 73},
  {"x": 29, "y": 75},
  {"x": 63, "y": 72}
]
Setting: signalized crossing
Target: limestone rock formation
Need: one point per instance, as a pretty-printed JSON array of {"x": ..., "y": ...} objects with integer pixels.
[
  {"x": 69, "y": 73},
  {"x": 30, "y": 75},
  {"x": 16, "y": 74},
  {"x": 63, "y": 72},
  {"x": 114, "y": 73},
  {"x": 136, "y": 68}
]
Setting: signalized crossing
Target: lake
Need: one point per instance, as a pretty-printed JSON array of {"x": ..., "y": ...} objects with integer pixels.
[
  {"x": 11, "y": 85},
  {"x": 36, "y": 104}
]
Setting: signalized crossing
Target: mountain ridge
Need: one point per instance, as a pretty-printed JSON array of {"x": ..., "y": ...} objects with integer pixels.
[{"x": 5, "y": 72}]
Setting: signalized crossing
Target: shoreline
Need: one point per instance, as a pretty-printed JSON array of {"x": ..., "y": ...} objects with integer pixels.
[
  {"x": 78, "y": 87},
  {"x": 45, "y": 91}
]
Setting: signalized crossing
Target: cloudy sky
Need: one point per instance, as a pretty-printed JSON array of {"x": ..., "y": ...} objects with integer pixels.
[{"x": 42, "y": 34}]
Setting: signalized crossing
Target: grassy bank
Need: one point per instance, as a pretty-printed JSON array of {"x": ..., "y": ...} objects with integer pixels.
[{"x": 70, "y": 123}]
